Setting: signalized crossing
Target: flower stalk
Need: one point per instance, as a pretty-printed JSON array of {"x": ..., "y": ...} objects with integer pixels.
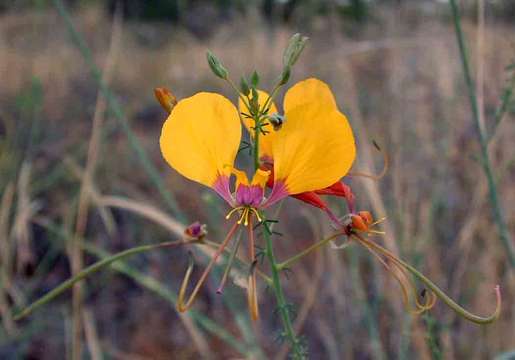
[{"x": 91, "y": 270}]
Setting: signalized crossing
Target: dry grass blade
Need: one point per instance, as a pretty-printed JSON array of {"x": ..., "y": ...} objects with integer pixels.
[
  {"x": 94, "y": 347},
  {"x": 83, "y": 205},
  {"x": 25, "y": 210},
  {"x": 146, "y": 211},
  {"x": 5, "y": 260}
]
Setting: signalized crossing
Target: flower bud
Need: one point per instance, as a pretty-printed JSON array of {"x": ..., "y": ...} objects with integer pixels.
[
  {"x": 366, "y": 216},
  {"x": 196, "y": 231},
  {"x": 216, "y": 66},
  {"x": 254, "y": 79},
  {"x": 358, "y": 223},
  {"x": 244, "y": 86},
  {"x": 294, "y": 49},
  {"x": 165, "y": 98}
]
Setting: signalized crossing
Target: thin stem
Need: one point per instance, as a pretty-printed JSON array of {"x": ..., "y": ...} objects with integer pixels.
[
  {"x": 287, "y": 263},
  {"x": 297, "y": 351},
  {"x": 483, "y": 141},
  {"x": 229, "y": 81},
  {"x": 270, "y": 97},
  {"x": 91, "y": 270},
  {"x": 501, "y": 110},
  {"x": 433, "y": 287},
  {"x": 241, "y": 262}
]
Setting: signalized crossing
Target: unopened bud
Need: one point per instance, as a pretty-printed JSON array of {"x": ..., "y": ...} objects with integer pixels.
[
  {"x": 358, "y": 223},
  {"x": 254, "y": 79},
  {"x": 366, "y": 216},
  {"x": 165, "y": 98},
  {"x": 244, "y": 86},
  {"x": 292, "y": 52},
  {"x": 196, "y": 231},
  {"x": 216, "y": 66}
]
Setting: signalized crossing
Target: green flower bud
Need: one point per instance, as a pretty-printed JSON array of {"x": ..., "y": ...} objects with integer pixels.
[
  {"x": 216, "y": 66},
  {"x": 244, "y": 86},
  {"x": 294, "y": 49},
  {"x": 254, "y": 79}
]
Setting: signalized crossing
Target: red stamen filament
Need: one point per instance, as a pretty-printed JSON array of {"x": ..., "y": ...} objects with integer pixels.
[{"x": 185, "y": 305}]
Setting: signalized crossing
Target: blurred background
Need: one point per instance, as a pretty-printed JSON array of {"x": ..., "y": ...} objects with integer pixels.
[{"x": 80, "y": 164}]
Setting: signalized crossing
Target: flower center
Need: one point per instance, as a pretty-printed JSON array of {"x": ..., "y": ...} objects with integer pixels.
[{"x": 250, "y": 194}]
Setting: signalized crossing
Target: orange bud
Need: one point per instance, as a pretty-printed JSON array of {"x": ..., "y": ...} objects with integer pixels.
[
  {"x": 165, "y": 98},
  {"x": 359, "y": 223},
  {"x": 366, "y": 216}
]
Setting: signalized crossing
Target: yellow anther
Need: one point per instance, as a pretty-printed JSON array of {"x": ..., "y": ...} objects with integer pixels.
[{"x": 233, "y": 211}]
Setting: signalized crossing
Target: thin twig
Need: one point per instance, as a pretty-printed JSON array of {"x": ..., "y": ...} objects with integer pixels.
[{"x": 498, "y": 214}]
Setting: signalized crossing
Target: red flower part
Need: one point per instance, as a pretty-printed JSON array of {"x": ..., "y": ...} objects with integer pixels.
[{"x": 311, "y": 197}]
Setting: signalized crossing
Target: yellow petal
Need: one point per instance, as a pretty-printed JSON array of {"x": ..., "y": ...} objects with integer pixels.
[
  {"x": 261, "y": 177},
  {"x": 200, "y": 138},
  {"x": 309, "y": 91},
  {"x": 314, "y": 148},
  {"x": 241, "y": 177},
  {"x": 265, "y": 141}
]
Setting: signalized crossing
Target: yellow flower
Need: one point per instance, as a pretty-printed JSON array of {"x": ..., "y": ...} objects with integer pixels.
[{"x": 312, "y": 149}]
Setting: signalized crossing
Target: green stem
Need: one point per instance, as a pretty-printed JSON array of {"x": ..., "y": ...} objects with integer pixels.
[
  {"x": 91, "y": 270},
  {"x": 501, "y": 110},
  {"x": 287, "y": 263},
  {"x": 282, "y": 305},
  {"x": 483, "y": 141},
  {"x": 297, "y": 351},
  {"x": 150, "y": 283},
  {"x": 451, "y": 303},
  {"x": 230, "y": 82},
  {"x": 433, "y": 287}
]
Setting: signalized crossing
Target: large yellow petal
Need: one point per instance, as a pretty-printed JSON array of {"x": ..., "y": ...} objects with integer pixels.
[
  {"x": 201, "y": 137},
  {"x": 265, "y": 140},
  {"x": 309, "y": 91},
  {"x": 314, "y": 148}
]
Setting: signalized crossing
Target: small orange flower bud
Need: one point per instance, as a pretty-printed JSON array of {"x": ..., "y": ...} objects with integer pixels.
[
  {"x": 165, "y": 98},
  {"x": 366, "y": 216},
  {"x": 359, "y": 223}
]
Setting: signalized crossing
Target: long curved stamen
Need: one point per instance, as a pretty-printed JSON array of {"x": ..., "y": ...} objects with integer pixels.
[
  {"x": 386, "y": 165},
  {"x": 227, "y": 217},
  {"x": 406, "y": 285},
  {"x": 252, "y": 287},
  {"x": 434, "y": 288},
  {"x": 228, "y": 267},
  {"x": 183, "y": 305},
  {"x": 246, "y": 214}
]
